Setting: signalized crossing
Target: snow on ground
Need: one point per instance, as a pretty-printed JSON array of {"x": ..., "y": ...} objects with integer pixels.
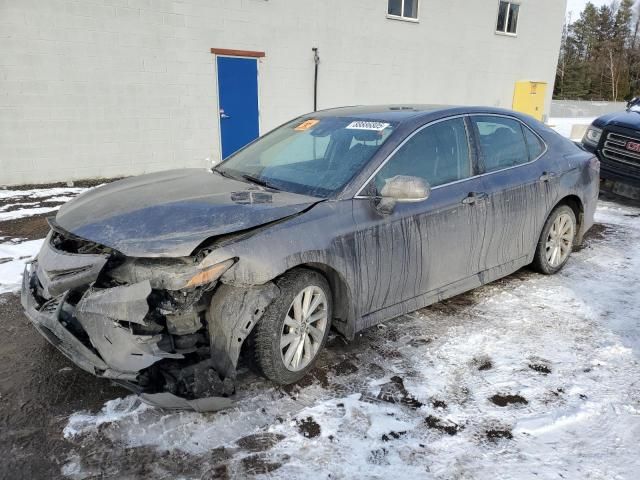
[
  {"x": 529, "y": 377},
  {"x": 564, "y": 126},
  {"x": 25, "y": 212},
  {"x": 13, "y": 257},
  {"x": 16, "y": 204},
  {"x": 39, "y": 192}
]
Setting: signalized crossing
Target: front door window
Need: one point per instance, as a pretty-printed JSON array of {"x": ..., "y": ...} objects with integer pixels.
[{"x": 438, "y": 154}]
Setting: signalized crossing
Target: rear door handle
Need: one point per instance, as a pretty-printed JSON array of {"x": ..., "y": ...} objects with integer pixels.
[
  {"x": 474, "y": 197},
  {"x": 546, "y": 176}
]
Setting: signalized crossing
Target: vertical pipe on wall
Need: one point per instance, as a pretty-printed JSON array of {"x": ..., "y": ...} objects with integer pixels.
[{"x": 316, "y": 60}]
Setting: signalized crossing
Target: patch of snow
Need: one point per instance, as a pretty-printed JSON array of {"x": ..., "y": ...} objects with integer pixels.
[
  {"x": 62, "y": 198},
  {"x": 30, "y": 201},
  {"x": 530, "y": 376},
  {"x": 126, "y": 409},
  {"x": 25, "y": 212},
  {"x": 13, "y": 257},
  {"x": 21, "y": 204},
  {"x": 40, "y": 192},
  {"x": 72, "y": 468},
  {"x": 564, "y": 126},
  {"x": 135, "y": 424}
]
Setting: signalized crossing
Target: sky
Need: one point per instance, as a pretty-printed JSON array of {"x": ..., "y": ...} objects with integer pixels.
[{"x": 576, "y": 6}]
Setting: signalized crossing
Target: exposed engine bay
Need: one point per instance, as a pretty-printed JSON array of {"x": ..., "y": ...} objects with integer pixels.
[{"x": 165, "y": 328}]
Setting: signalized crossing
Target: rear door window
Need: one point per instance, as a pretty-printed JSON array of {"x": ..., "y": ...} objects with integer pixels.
[
  {"x": 534, "y": 144},
  {"x": 502, "y": 142}
]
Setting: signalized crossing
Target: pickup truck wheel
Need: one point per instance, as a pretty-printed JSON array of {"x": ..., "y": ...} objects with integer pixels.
[
  {"x": 556, "y": 241},
  {"x": 294, "y": 327}
]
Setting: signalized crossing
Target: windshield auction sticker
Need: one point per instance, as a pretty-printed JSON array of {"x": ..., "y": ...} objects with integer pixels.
[
  {"x": 374, "y": 126},
  {"x": 306, "y": 125}
]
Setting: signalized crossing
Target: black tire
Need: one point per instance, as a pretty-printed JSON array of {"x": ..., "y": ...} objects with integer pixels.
[
  {"x": 540, "y": 261},
  {"x": 265, "y": 338}
]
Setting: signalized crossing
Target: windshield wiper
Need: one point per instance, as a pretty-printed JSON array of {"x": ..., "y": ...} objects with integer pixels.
[
  {"x": 258, "y": 181},
  {"x": 224, "y": 174}
]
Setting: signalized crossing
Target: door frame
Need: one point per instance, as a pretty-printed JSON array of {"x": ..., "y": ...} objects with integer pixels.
[
  {"x": 465, "y": 185},
  {"x": 509, "y": 186},
  {"x": 473, "y": 152},
  {"x": 229, "y": 52}
]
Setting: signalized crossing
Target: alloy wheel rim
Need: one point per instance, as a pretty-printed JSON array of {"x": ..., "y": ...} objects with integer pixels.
[
  {"x": 560, "y": 240},
  {"x": 303, "y": 329}
]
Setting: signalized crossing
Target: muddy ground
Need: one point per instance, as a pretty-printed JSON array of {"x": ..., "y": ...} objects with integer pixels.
[{"x": 40, "y": 389}]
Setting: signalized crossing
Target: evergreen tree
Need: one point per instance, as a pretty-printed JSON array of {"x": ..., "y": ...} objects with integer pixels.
[{"x": 600, "y": 54}]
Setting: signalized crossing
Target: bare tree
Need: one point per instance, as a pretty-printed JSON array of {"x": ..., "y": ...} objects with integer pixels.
[{"x": 613, "y": 75}]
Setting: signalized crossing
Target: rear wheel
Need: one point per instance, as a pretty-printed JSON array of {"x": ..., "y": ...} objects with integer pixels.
[
  {"x": 294, "y": 328},
  {"x": 556, "y": 241}
]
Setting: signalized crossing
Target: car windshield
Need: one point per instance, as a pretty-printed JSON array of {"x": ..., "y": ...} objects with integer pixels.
[{"x": 310, "y": 156}]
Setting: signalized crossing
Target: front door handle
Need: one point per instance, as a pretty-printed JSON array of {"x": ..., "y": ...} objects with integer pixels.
[
  {"x": 546, "y": 176},
  {"x": 474, "y": 197}
]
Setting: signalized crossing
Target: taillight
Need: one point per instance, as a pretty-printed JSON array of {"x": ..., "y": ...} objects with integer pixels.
[{"x": 594, "y": 164}]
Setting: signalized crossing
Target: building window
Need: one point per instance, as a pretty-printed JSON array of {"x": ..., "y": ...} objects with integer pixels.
[
  {"x": 407, "y": 9},
  {"x": 508, "y": 18}
]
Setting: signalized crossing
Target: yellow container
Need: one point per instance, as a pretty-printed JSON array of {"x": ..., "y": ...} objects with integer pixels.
[{"x": 528, "y": 97}]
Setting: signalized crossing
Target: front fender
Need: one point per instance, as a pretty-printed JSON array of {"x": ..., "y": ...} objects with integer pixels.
[{"x": 322, "y": 238}]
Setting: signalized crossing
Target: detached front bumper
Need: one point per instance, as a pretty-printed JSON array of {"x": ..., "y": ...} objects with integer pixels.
[
  {"x": 50, "y": 319},
  {"x": 46, "y": 319},
  {"x": 106, "y": 330},
  {"x": 91, "y": 332},
  {"x": 126, "y": 321}
]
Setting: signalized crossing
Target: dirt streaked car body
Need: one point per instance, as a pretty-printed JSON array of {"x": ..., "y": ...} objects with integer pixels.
[{"x": 157, "y": 281}]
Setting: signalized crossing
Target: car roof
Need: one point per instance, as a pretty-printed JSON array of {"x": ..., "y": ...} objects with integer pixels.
[{"x": 402, "y": 112}]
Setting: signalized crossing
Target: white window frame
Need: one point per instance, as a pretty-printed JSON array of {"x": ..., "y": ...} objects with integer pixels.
[
  {"x": 402, "y": 17},
  {"x": 507, "y": 18}
]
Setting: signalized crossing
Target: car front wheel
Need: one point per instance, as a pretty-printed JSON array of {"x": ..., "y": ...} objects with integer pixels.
[
  {"x": 294, "y": 328},
  {"x": 556, "y": 241}
]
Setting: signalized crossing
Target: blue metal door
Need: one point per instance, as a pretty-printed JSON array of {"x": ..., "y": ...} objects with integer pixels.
[{"x": 238, "y": 100}]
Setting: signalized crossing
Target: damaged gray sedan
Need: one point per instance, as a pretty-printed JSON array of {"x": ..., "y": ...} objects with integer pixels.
[{"x": 339, "y": 219}]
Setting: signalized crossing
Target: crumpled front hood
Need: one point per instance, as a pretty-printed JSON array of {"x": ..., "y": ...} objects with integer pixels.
[{"x": 168, "y": 214}]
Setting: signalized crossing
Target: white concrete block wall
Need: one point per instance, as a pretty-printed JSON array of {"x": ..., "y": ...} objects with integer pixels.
[{"x": 100, "y": 88}]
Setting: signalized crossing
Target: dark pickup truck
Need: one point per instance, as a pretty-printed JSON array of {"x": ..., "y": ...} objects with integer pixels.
[{"x": 615, "y": 139}]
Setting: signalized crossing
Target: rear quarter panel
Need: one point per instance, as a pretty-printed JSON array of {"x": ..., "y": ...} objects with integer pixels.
[{"x": 576, "y": 175}]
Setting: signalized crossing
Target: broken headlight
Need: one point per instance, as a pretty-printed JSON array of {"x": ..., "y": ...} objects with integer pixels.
[
  {"x": 208, "y": 274},
  {"x": 170, "y": 273}
]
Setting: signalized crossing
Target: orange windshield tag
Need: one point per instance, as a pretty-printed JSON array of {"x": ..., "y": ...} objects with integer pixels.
[{"x": 306, "y": 125}]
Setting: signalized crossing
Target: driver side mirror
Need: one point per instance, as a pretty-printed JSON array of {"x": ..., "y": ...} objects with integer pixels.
[{"x": 401, "y": 189}]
